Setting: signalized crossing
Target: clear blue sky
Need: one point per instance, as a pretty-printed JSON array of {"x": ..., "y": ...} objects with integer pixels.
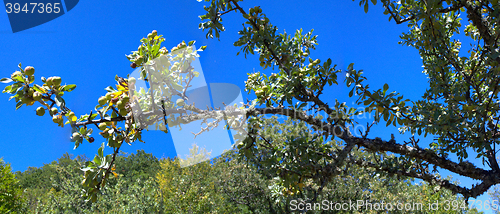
[{"x": 87, "y": 47}]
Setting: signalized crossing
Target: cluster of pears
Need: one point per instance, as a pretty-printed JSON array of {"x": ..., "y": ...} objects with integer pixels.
[
  {"x": 27, "y": 95},
  {"x": 255, "y": 79},
  {"x": 179, "y": 46},
  {"x": 120, "y": 102},
  {"x": 108, "y": 132},
  {"x": 152, "y": 35},
  {"x": 56, "y": 118},
  {"x": 136, "y": 58},
  {"x": 255, "y": 9},
  {"x": 53, "y": 82},
  {"x": 262, "y": 92},
  {"x": 313, "y": 63}
]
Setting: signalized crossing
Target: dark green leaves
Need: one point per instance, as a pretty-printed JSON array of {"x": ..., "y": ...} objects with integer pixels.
[
  {"x": 386, "y": 87},
  {"x": 59, "y": 101},
  {"x": 365, "y": 3}
]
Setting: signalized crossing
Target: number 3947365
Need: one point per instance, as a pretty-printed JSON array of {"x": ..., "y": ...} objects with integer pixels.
[{"x": 33, "y": 8}]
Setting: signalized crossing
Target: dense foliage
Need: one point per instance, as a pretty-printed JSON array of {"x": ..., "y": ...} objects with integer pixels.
[
  {"x": 227, "y": 185},
  {"x": 10, "y": 190},
  {"x": 57, "y": 187}
]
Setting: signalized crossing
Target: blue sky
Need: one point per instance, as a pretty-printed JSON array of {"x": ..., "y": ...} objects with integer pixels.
[{"x": 87, "y": 47}]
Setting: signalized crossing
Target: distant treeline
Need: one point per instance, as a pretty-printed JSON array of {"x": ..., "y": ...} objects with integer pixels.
[{"x": 146, "y": 184}]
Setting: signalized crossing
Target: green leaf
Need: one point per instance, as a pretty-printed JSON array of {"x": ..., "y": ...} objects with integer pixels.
[
  {"x": 59, "y": 101},
  {"x": 374, "y": 2},
  {"x": 18, "y": 105},
  {"x": 176, "y": 86},
  {"x": 69, "y": 88},
  {"x": 37, "y": 88},
  {"x": 386, "y": 87},
  {"x": 100, "y": 151},
  {"x": 97, "y": 161},
  {"x": 91, "y": 117},
  {"x": 18, "y": 78},
  {"x": 5, "y": 80},
  {"x": 191, "y": 43},
  {"x": 110, "y": 89},
  {"x": 366, "y": 7},
  {"x": 350, "y": 67},
  {"x": 86, "y": 169},
  {"x": 7, "y": 88},
  {"x": 367, "y": 102}
]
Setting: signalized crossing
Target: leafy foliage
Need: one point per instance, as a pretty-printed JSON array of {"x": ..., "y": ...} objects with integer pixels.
[
  {"x": 57, "y": 187},
  {"x": 10, "y": 191}
]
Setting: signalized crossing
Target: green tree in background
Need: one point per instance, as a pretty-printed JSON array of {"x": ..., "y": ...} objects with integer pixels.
[
  {"x": 57, "y": 187},
  {"x": 10, "y": 191}
]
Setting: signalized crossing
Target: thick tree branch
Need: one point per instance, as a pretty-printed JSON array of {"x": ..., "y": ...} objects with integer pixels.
[{"x": 466, "y": 192}]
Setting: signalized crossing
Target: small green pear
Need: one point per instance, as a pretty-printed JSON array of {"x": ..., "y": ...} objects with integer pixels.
[
  {"x": 76, "y": 136},
  {"x": 49, "y": 81},
  {"x": 26, "y": 100},
  {"x": 102, "y": 100},
  {"x": 37, "y": 96},
  {"x": 123, "y": 112},
  {"x": 180, "y": 102},
  {"x": 55, "y": 119},
  {"x": 109, "y": 95},
  {"x": 53, "y": 110},
  {"x": 29, "y": 70},
  {"x": 131, "y": 80},
  {"x": 30, "y": 92},
  {"x": 71, "y": 115},
  {"x": 15, "y": 74},
  {"x": 139, "y": 60},
  {"x": 40, "y": 111},
  {"x": 56, "y": 81},
  {"x": 102, "y": 126},
  {"x": 120, "y": 104},
  {"x": 125, "y": 99},
  {"x": 105, "y": 133}
]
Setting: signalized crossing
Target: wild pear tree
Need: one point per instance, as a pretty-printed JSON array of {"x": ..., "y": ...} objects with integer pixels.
[{"x": 460, "y": 107}]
